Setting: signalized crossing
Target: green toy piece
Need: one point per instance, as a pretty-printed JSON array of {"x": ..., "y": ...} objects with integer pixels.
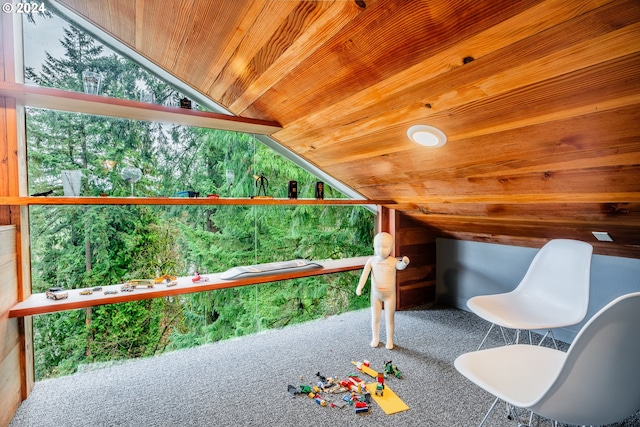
[{"x": 391, "y": 369}]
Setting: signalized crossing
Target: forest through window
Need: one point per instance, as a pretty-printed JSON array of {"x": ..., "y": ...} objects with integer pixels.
[{"x": 86, "y": 246}]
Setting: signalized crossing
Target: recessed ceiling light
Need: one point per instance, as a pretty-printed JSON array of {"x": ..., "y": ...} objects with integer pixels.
[{"x": 427, "y": 136}]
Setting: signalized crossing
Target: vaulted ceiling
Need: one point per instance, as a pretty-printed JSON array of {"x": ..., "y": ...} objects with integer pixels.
[{"x": 540, "y": 100}]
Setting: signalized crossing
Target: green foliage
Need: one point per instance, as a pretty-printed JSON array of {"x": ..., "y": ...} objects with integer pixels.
[
  {"x": 59, "y": 342},
  {"x": 86, "y": 246}
]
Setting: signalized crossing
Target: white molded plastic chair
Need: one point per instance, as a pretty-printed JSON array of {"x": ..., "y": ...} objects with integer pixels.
[
  {"x": 596, "y": 382},
  {"x": 554, "y": 292}
]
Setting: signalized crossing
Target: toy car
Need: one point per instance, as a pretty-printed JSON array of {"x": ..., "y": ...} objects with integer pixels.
[
  {"x": 57, "y": 293},
  {"x": 86, "y": 292},
  {"x": 110, "y": 292},
  {"x": 198, "y": 278},
  {"x": 139, "y": 282},
  {"x": 166, "y": 279}
]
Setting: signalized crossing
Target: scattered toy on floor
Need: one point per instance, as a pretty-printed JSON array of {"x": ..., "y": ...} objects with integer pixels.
[{"x": 391, "y": 369}]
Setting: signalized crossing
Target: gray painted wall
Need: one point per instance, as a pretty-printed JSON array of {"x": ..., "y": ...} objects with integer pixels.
[{"x": 466, "y": 269}]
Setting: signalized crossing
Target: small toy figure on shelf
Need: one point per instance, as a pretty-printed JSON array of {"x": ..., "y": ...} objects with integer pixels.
[
  {"x": 383, "y": 285},
  {"x": 185, "y": 103},
  {"x": 293, "y": 190},
  {"x": 261, "y": 183},
  {"x": 319, "y": 190}
]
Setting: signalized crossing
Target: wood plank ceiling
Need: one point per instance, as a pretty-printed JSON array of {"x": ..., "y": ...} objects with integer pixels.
[{"x": 540, "y": 100}]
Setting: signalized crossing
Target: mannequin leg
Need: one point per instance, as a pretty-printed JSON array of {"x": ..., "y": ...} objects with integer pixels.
[
  {"x": 389, "y": 314},
  {"x": 376, "y": 308}
]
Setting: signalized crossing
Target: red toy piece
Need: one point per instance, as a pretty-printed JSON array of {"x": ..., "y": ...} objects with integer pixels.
[
  {"x": 361, "y": 407},
  {"x": 320, "y": 401},
  {"x": 355, "y": 384},
  {"x": 197, "y": 278},
  {"x": 380, "y": 385}
]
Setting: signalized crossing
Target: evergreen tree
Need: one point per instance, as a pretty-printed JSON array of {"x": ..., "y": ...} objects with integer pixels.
[{"x": 86, "y": 246}]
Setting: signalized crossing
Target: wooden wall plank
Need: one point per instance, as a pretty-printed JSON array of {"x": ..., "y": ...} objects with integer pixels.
[
  {"x": 10, "y": 396},
  {"x": 620, "y": 212},
  {"x": 8, "y": 275},
  {"x": 626, "y": 238},
  {"x": 9, "y": 337},
  {"x": 621, "y": 179},
  {"x": 11, "y": 374}
]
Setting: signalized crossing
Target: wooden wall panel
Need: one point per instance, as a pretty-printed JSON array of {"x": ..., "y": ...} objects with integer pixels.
[
  {"x": 16, "y": 356},
  {"x": 9, "y": 383},
  {"x": 8, "y": 277},
  {"x": 10, "y": 338}
]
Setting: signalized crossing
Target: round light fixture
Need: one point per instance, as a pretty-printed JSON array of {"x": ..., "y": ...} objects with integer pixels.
[{"x": 427, "y": 136}]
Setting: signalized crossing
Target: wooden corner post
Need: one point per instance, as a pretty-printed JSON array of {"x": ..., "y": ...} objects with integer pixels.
[
  {"x": 416, "y": 285},
  {"x": 16, "y": 335}
]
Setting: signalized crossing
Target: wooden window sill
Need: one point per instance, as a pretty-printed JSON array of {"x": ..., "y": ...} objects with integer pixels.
[{"x": 40, "y": 304}]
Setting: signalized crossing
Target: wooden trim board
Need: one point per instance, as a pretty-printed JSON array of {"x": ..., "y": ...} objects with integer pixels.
[
  {"x": 107, "y": 200},
  {"x": 76, "y": 102}
]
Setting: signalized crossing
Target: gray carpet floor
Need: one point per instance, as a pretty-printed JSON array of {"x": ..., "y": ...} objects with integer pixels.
[{"x": 243, "y": 381}]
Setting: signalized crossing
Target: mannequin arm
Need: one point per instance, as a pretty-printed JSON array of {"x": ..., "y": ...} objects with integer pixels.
[
  {"x": 363, "y": 277},
  {"x": 402, "y": 264}
]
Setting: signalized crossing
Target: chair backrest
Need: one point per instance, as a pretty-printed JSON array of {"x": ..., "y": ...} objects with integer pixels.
[
  {"x": 560, "y": 275},
  {"x": 599, "y": 382}
]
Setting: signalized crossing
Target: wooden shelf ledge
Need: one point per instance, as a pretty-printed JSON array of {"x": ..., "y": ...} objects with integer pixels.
[
  {"x": 77, "y": 102},
  {"x": 40, "y": 304},
  {"x": 88, "y": 200}
]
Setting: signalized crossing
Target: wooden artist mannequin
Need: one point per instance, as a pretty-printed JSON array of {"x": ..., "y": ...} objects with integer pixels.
[{"x": 383, "y": 285}]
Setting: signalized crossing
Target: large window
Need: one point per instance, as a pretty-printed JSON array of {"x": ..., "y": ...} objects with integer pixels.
[{"x": 87, "y": 246}]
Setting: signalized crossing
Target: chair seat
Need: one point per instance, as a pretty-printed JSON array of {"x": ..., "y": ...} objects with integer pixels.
[
  {"x": 518, "y": 311},
  {"x": 594, "y": 383},
  {"x": 518, "y": 374}
]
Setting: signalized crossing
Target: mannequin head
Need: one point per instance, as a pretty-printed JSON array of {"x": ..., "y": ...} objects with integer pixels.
[{"x": 382, "y": 245}]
